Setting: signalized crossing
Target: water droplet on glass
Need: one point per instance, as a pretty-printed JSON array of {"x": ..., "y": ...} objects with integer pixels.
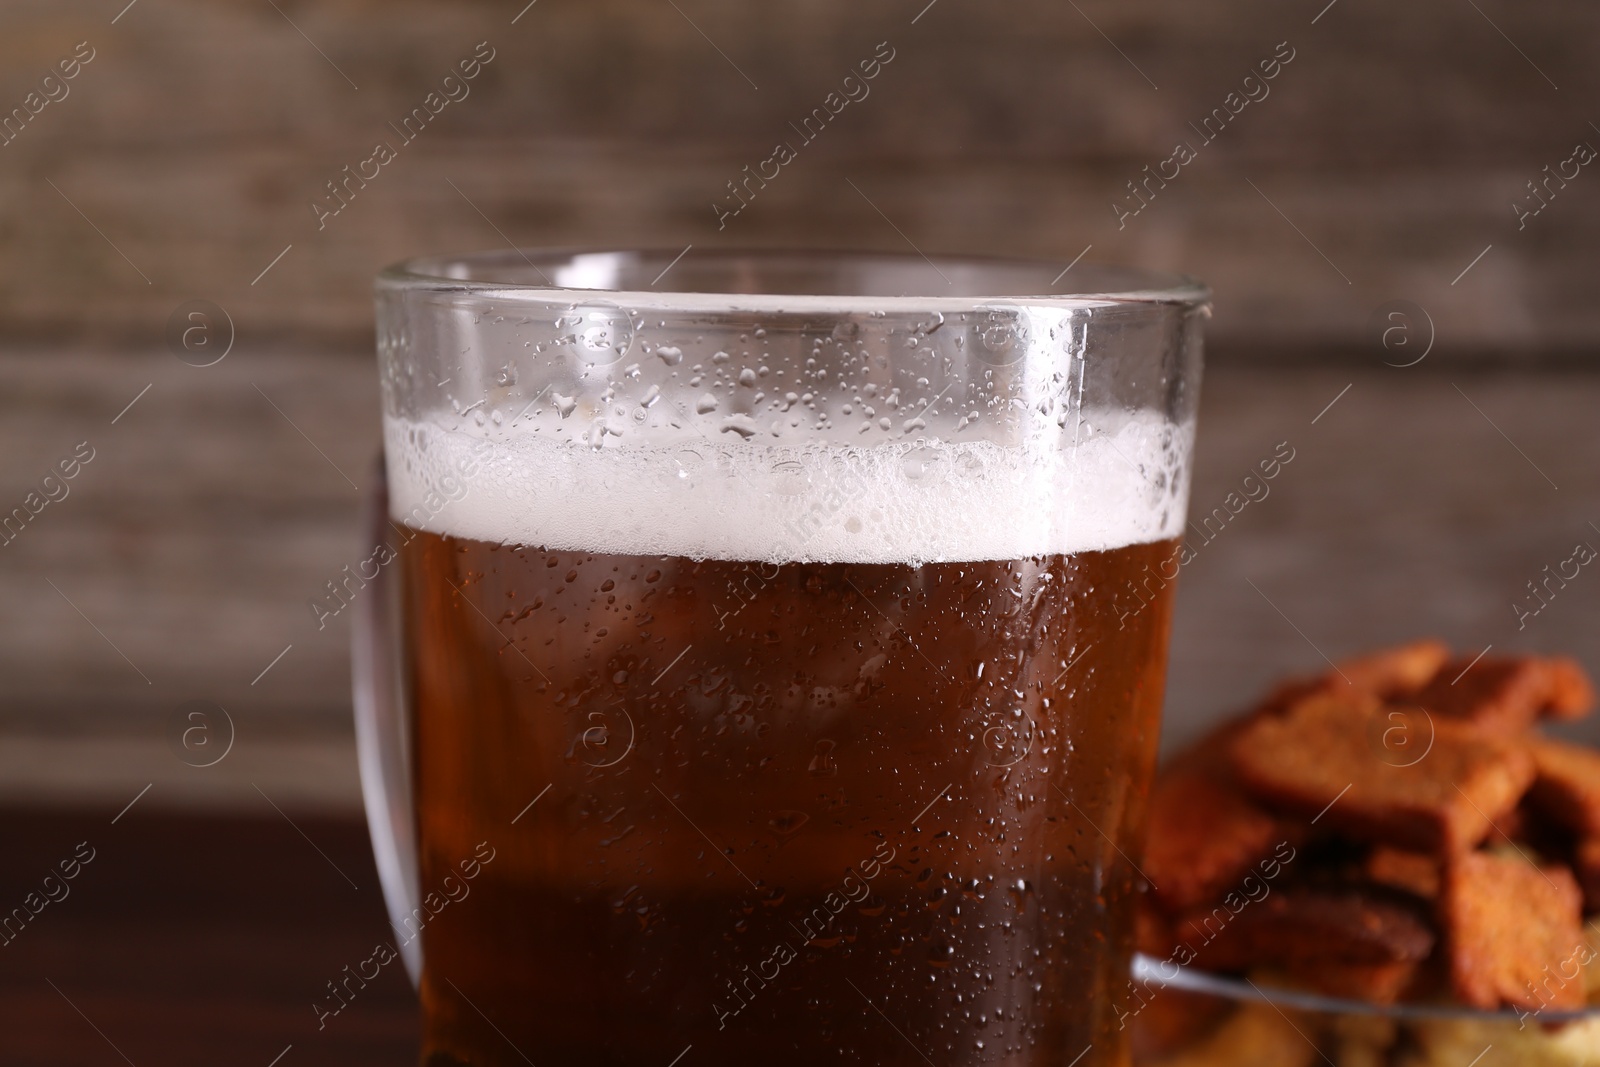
[
  {"x": 600, "y": 334},
  {"x": 1001, "y": 338},
  {"x": 822, "y": 764},
  {"x": 741, "y": 424},
  {"x": 706, "y": 403},
  {"x": 688, "y": 461},
  {"x": 788, "y": 823},
  {"x": 671, "y": 355},
  {"x": 564, "y": 404}
]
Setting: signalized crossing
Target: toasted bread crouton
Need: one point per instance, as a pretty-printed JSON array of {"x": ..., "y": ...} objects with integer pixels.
[
  {"x": 1387, "y": 673},
  {"x": 1506, "y": 696},
  {"x": 1203, "y": 836},
  {"x": 1285, "y": 695},
  {"x": 1416, "y": 873},
  {"x": 1396, "y": 671},
  {"x": 1306, "y": 929},
  {"x": 1513, "y": 930},
  {"x": 1571, "y": 692},
  {"x": 1375, "y": 983},
  {"x": 1566, "y": 787},
  {"x": 1383, "y": 775}
]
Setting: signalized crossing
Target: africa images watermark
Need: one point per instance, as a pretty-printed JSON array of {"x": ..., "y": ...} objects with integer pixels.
[
  {"x": 809, "y": 524},
  {"x": 855, "y": 888},
  {"x": 1253, "y": 889},
  {"x": 1552, "y": 583},
  {"x": 453, "y": 88},
  {"x": 52, "y": 89},
  {"x": 52, "y": 889},
  {"x": 1252, "y": 89},
  {"x": 53, "y": 488},
  {"x": 342, "y": 591},
  {"x": 854, "y": 90},
  {"x": 1543, "y": 190},
  {"x": 345, "y": 988},
  {"x": 1568, "y": 972},
  {"x": 1255, "y": 489}
]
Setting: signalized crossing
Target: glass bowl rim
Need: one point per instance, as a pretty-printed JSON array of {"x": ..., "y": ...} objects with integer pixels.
[{"x": 1165, "y": 973}]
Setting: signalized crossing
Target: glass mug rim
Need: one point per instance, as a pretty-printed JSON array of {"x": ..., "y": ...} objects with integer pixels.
[
  {"x": 805, "y": 555},
  {"x": 590, "y": 273}
]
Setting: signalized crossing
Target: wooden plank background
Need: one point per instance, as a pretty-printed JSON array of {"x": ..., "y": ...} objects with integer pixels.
[
  {"x": 186, "y": 154},
  {"x": 1396, "y": 141},
  {"x": 193, "y": 939}
]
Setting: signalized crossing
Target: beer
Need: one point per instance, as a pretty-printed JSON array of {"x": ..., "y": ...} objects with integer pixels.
[{"x": 823, "y": 756}]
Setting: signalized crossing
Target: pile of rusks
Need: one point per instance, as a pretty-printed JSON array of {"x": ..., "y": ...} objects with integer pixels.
[{"x": 1395, "y": 830}]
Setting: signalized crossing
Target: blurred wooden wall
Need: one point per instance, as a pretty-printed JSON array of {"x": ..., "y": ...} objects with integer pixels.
[
  {"x": 186, "y": 154},
  {"x": 1394, "y": 142}
]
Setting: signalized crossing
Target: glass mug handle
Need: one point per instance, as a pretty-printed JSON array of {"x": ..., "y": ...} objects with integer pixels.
[{"x": 382, "y": 731}]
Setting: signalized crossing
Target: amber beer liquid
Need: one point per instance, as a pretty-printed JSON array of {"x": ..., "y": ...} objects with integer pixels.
[{"x": 864, "y": 797}]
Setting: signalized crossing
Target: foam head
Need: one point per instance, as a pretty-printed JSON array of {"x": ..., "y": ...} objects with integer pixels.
[{"x": 913, "y": 501}]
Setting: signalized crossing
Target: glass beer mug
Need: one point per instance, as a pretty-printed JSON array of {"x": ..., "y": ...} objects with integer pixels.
[{"x": 768, "y": 657}]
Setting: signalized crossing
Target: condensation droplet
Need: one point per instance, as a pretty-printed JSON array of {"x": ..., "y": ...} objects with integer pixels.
[
  {"x": 741, "y": 424},
  {"x": 786, "y": 824},
  {"x": 822, "y": 764},
  {"x": 600, "y": 334}
]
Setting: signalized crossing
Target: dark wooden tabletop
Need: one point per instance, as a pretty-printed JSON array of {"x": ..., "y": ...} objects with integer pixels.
[{"x": 190, "y": 939}]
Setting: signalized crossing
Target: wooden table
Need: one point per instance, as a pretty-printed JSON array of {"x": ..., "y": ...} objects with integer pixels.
[{"x": 190, "y": 939}]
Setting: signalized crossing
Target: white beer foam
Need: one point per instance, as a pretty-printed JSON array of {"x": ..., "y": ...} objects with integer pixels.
[{"x": 904, "y": 502}]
